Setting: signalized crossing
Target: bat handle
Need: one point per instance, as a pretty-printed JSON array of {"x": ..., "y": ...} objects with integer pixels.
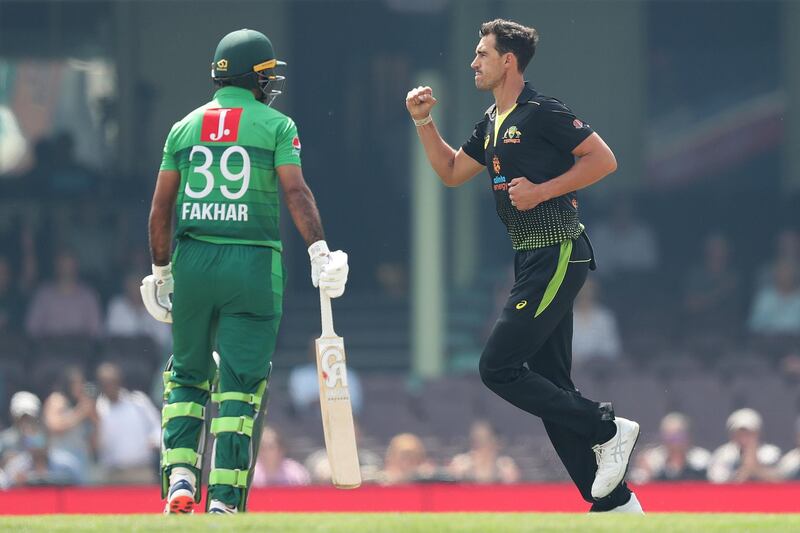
[{"x": 327, "y": 314}]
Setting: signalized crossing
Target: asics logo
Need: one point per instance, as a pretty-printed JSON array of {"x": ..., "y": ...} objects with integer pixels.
[{"x": 618, "y": 451}]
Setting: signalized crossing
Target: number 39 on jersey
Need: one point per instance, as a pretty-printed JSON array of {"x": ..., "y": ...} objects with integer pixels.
[{"x": 233, "y": 164}]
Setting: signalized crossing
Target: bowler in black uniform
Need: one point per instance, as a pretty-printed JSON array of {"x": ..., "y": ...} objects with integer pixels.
[{"x": 538, "y": 154}]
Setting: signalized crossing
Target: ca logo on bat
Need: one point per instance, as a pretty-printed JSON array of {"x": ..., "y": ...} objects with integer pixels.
[{"x": 333, "y": 367}]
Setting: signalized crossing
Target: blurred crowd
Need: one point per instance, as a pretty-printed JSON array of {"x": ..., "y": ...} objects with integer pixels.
[
  {"x": 745, "y": 457},
  {"x": 111, "y": 436},
  {"x": 70, "y": 271}
]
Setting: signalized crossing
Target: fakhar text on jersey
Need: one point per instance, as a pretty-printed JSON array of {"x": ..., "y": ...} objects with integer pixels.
[{"x": 214, "y": 211}]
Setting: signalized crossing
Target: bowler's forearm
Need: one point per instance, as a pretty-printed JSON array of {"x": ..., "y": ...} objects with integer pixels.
[
  {"x": 586, "y": 171},
  {"x": 440, "y": 154}
]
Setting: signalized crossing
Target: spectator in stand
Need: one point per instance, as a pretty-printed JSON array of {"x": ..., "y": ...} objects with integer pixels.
[
  {"x": 129, "y": 430},
  {"x": 712, "y": 298},
  {"x": 744, "y": 458},
  {"x": 304, "y": 386},
  {"x": 71, "y": 421},
  {"x": 674, "y": 459},
  {"x": 789, "y": 465},
  {"x": 595, "y": 333},
  {"x": 787, "y": 248},
  {"x": 624, "y": 244},
  {"x": 483, "y": 462},
  {"x": 66, "y": 306},
  {"x": 24, "y": 409},
  {"x": 90, "y": 235},
  {"x": 24, "y": 455},
  {"x": 10, "y": 299},
  {"x": 273, "y": 468},
  {"x": 407, "y": 462},
  {"x": 127, "y": 316},
  {"x": 776, "y": 310}
]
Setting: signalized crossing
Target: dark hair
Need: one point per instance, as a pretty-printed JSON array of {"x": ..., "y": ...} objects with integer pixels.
[{"x": 512, "y": 37}]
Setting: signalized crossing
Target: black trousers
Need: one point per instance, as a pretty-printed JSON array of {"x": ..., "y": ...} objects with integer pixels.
[{"x": 528, "y": 359}]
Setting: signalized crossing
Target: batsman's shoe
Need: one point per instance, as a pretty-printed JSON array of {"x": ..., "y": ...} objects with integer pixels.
[
  {"x": 632, "y": 507},
  {"x": 217, "y": 507},
  {"x": 613, "y": 457},
  {"x": 180, "y": 498}
]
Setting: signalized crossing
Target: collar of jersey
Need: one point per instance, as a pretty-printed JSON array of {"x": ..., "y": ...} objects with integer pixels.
[
  {"x": 528, "y": 93},
  {"x": 234, "y": 92}
]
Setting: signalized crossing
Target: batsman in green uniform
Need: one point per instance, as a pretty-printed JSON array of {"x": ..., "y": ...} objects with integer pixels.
[{"x": 223, "y": 288}]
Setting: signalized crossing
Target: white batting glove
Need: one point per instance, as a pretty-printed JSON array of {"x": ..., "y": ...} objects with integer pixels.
[
  {"x": 157, "y": 290},
  {"x": 320, "y": 255},
  {"x": 333, "y": 277}
]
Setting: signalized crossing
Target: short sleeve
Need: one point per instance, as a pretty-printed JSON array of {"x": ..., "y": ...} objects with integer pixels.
[
  {"x": 168, "y": 157},
  {"x": 287, "y": 144},
  {"x": 561, "y": 127},
  {"x": 475, "y": 146}
]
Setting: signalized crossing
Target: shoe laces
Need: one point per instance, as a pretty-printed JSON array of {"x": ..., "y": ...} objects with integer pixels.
[{"x": 598, "y": 453}]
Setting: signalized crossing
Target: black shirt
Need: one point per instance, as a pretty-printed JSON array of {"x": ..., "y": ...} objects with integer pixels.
[{"x": 535, "y": 140}]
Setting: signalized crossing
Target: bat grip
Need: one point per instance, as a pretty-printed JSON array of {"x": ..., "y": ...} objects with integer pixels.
[{"x": 327, "y": 314}]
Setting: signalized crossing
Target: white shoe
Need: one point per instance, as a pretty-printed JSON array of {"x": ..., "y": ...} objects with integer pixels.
[
  {"x": 180, "y": 498},
  {"x": 217, "y": 507},
  {"x": 613, "y": 457},
  {"x": 632, "y": 507}
]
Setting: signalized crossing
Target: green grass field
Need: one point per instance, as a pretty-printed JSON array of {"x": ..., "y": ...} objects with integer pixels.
[{"x": 405, "y": 523}]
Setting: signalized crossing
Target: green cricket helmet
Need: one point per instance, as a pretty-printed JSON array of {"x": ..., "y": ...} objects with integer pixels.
[{"x": 245, "y": 58}]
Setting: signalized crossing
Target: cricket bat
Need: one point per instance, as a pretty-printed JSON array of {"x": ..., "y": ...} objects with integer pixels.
[{"x": 334, "y": 401}]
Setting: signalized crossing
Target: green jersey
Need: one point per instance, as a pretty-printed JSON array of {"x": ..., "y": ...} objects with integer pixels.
[{"x": 226, "y": 152}]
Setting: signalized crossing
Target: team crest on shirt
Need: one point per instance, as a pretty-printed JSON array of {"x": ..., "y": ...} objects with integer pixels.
[{"x": 512, "y": 135}]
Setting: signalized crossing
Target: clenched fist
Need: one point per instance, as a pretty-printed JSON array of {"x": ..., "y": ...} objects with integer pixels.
[{"x": 419, "y": 102}]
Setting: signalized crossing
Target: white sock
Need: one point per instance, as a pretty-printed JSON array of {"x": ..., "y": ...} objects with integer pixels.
[{"x": 180, "y": 472}]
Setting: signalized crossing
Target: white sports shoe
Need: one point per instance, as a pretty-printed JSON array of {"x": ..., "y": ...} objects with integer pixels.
[
  {"x": 613, "y": 457},
  {"x": 632, "y": 507},
  {"x": 180, "y": 498},
  {"x": 217, "y": 507}
]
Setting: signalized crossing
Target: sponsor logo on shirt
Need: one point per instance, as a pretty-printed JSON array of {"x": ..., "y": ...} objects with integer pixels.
[
  {"x": 221, "y": 125},
  {"x": 498, "y": 182},
  {"x": 486, "y": 141},
  {"x": 512, "y": 135},
  {"x": 578, "y": 124},
  {"x": 522, "y": 304},
  {"x": 296, "y": 145}
]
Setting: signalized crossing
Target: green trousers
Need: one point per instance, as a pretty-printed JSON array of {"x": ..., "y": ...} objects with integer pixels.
[{"x": 227, "y": 298}]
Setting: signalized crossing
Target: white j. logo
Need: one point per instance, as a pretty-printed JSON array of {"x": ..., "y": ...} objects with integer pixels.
[{"x": 222, "y": 131}]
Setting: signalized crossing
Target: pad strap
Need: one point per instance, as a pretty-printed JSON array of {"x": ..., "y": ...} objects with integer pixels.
[
  {"x": 222, "y": 476},
  {"x": 253, "y": 399},
  {"x": 175, "y": 456},
  {"x": 243, "y": 425},
  {"x": 179, "y": 409},
  {"x": 170, "y": 385}
]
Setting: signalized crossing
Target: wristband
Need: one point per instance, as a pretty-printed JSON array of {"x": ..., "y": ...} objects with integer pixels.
[
  {"x": 318, "y": 249},
  {"x": 422, "y": 121},
  {"x": 161, "y": 272}
]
